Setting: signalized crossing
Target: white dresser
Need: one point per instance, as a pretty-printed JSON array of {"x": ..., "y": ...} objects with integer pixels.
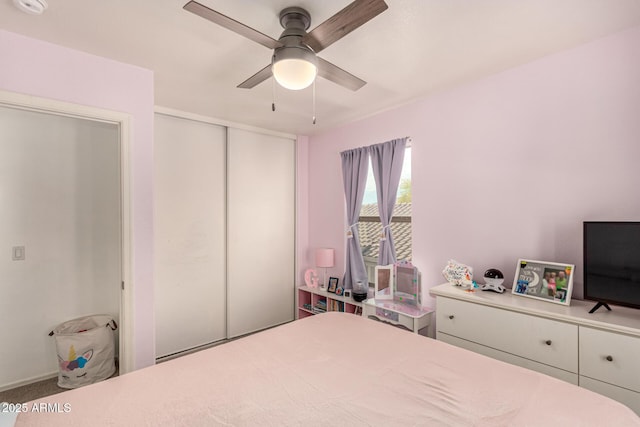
[{"x": 599, "y": 351}]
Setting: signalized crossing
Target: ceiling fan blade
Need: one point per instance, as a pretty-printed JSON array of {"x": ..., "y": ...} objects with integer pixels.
[
  {"x": 231, "y": 24},
  {"x": 343, "y": 22},
  {"x": 257, "y": 78},
  {"x": 339, "y": 76}
]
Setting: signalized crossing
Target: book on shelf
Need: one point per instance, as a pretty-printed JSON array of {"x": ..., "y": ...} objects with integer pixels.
[
  {"x": 320, "y": 307},
  {"x": 336, "y": 305}
]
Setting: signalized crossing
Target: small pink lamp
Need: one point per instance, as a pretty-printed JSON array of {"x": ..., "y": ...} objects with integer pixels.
[{"x": 324, "y": 259}]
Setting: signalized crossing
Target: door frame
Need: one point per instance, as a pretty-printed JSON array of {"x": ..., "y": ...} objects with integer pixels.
[{"x": 123, "y": 121}]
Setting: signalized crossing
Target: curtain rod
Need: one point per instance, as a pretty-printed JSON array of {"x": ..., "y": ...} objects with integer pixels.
[{"x": 408, "y": 144}]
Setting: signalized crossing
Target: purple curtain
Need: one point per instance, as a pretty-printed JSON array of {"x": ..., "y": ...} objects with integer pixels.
[
  {"x": 386, "y": 161},
  {"x": 355, "y": 166}
]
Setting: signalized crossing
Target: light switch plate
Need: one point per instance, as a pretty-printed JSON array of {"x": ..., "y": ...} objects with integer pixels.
[{"x": 18, "y": 253}]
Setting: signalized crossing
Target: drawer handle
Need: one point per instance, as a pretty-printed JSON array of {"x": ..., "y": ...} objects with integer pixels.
[
  {"x": 548, "y": 342},
  {"x": 609, "y": 358},
  {"x": 451, "y": 316}
]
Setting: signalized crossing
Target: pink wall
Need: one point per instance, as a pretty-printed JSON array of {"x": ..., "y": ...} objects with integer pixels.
[
  {"x": 507, "y": 167},
  {"x": 45, "y": 70}
]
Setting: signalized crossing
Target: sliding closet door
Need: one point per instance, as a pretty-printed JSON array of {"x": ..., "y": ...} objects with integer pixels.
[
  {"x": 261, "y": 224},
  {"x": 189, "y": 234}
]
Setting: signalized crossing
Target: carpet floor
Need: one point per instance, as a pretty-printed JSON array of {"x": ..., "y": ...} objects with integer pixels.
[{"x": 33, "y": 391}]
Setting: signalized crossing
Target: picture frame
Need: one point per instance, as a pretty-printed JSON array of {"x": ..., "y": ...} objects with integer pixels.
[
  {"x": 347, "y": 293},
  {"x": 384, "y": 282},
  {"x": 333, "y": 285},
  {"x": 339, "y": 291},
  {"x": 544, "y": 280}
]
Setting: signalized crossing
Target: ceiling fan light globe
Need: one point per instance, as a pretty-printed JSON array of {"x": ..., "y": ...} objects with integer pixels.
[
  {"x": 294, "y": 67},
  {"x": 294, "y": 74}
]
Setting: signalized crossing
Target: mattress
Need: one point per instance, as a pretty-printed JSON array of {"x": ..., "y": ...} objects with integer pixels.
[{"x": 332, "y": 369}]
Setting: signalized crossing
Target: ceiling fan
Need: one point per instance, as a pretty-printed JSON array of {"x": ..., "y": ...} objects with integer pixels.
[{"x": 295, "y": 63}]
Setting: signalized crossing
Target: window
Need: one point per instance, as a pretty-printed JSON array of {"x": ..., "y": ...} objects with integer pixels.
[{"x": 370, "y": 228}]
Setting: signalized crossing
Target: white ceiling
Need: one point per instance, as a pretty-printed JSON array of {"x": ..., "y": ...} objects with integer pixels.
[{"x": 413, "y": 49}]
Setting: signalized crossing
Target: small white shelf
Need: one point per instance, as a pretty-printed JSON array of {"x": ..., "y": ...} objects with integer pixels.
[{"x": 308, "y": 297}]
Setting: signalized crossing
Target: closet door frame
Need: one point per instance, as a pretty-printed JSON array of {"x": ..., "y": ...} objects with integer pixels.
[{"x": 123, "y": 121}]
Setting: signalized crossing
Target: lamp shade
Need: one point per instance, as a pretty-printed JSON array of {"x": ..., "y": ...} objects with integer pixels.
[
  {"x": 294, "y": 67},
  {"x": 324, "y": 257}
]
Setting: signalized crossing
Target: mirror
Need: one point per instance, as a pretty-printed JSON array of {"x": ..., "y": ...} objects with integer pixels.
[
  {"x": 407, "y": 284},
  {"x": 384, "y": 282}
]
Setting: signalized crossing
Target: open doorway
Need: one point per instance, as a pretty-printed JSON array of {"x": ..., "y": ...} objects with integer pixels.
[{"x": 65, "y": 228}]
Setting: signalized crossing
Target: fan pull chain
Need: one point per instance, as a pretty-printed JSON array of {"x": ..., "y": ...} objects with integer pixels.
[
  {"x": 273, "y": 94},
  {"x": 314, "y": 101}
]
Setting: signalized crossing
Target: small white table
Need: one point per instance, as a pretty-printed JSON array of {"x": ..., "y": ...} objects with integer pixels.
[{"x": 410, "y": 317}]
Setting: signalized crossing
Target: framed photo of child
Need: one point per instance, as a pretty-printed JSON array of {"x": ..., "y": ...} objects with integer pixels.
[{"x": 549, "y": 281}]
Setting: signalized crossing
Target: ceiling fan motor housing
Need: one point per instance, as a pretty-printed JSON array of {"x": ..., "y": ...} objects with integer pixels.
[
  {"x": 294, "y": 59},
  {"x": 295, "y": 18},
  {"x": 295, "y": 21}
]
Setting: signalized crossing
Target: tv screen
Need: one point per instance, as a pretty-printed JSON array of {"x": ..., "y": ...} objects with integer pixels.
[{"x": 612, "y": 262}]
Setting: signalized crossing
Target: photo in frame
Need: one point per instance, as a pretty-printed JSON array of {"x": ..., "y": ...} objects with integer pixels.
[
  {"x": 333, "y": 285},
  {"x": 548, "y": 281}
]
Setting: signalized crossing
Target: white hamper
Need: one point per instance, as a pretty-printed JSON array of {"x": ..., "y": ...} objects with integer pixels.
[{"x": 86, "y": 350}]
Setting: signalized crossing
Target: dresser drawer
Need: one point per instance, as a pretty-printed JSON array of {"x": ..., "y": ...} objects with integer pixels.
[
  {"x": 543, "y": 340},
  {"x": 561, "y": 374},
  {"x": 610, "y": 357},
  {"x": 622, "y": 395}
]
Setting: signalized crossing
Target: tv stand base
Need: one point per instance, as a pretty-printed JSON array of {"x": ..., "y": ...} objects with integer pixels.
[{"x": 598, "y": 305}]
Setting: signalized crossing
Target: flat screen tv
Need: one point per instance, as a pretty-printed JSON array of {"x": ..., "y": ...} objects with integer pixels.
[{"x": 612, "y": 263}]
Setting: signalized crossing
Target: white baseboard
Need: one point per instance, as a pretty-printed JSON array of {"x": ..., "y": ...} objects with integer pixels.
[{"x": 31, "y": 380}]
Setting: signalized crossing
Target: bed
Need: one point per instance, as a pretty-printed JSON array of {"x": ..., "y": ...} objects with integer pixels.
[{"x": 332, "y": 369}]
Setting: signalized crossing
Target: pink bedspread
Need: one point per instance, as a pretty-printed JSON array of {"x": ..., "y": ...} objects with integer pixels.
[{"x": 333, "y": 369}]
